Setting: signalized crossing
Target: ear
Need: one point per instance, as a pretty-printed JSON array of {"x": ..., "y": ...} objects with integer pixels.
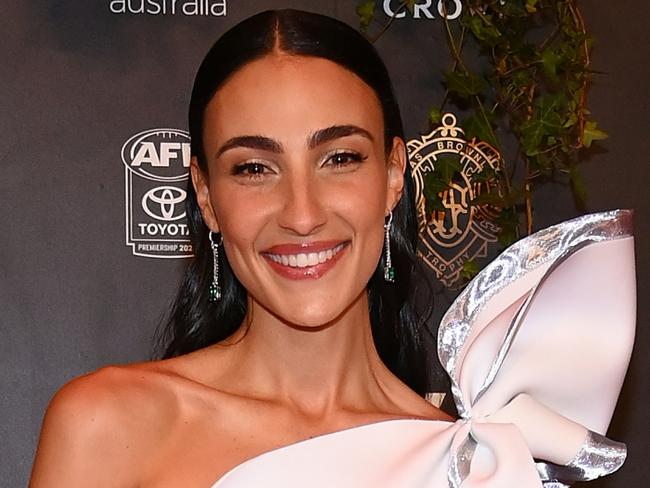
[
  {"x": 395, "y": 167},
  {"x": 200, "y": 183}
]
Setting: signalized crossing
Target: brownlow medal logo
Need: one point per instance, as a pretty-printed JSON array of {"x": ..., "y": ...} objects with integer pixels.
[{"x": 457, "y": 230}]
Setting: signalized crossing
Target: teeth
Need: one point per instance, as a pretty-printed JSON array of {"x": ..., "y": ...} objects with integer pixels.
[{"x": 302, "y": 260}]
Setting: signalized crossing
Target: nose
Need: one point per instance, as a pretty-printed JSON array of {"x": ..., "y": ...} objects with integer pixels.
[{"x": 303, "y": 211}]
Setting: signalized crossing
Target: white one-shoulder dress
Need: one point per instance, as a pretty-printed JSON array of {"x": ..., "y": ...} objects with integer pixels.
[{"x": 536, "y": 347}]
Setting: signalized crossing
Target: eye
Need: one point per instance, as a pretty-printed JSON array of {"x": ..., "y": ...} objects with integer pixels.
[
  {"x": 344, "y": 159},
  {"x": 251, "y": 169}
]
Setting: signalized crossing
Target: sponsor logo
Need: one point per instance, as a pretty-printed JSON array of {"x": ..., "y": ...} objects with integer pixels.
[
  {"x": 214, "y": 8},
  {"x": 426, "y": 9},
  {"x": 156, "y": 168},
  {"x": 162, "y": 203},
  {"x": 458, "y": 230}
]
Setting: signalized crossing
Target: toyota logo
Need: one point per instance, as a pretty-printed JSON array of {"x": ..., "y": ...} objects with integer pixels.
[{"x": 164, "y": 203}]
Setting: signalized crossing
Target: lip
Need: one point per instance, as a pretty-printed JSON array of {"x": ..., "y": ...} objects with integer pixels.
[{"x": 307, "y": 272}]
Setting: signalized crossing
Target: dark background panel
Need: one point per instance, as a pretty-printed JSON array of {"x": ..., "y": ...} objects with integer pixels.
[{"x": 78, "y": 81}]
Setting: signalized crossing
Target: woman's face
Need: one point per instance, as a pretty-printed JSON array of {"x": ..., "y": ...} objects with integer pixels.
[{"x": 298, "y": 183}]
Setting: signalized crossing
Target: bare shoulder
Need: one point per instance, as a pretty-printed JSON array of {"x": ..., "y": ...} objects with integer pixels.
[{"x": 99, "y": 427}]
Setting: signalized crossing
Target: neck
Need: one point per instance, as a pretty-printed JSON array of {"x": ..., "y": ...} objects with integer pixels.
[{"x": 313, "y": 370}]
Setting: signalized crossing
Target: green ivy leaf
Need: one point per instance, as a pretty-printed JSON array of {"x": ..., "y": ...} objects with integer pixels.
[
  {"x": 470, "y": 269},
  {"x": 433, "y": 185},
  {"x": 519, "y": 87},
  {"x": 484, "y": 31},
  {"x": 571, "y": 121},
  {"x": 531, "y": 6},
  {"x": 435, "y": 116},
  {"x": 465, "y": 85},
  {"x": 431, "y": 206},
  {"x": 366, "y": 12},
  {"x": 507, "y": 236},
  {"x": 545, "y": 122},
  {"x": 476, "y": 126},
  {"x": 486, "y": 174},
  {"x": 592, "y": 133},
  {"x": 578, "y": 186},
  {"x": 447, "y": 167},
  {"x": 550, "y": 62},
  {"x": 508, "y": 222}
]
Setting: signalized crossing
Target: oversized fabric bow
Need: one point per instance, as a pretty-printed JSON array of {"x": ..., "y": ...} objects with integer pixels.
[{"x": 536, "y": 347}]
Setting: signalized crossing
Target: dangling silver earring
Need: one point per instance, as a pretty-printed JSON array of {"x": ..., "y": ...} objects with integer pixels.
[
  {"x": 214, "y": 292},
  {"x": 389, "y": 271}
]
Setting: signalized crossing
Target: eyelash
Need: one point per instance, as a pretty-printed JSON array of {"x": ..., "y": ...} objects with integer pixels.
[
  {"x": 250, "y": 169},
  {"x": 255, "y": 170},
  {"x": 352, "y": 158}
]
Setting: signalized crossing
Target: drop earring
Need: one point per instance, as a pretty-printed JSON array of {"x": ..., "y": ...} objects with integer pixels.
[
  {"x": 214, "y": 291},
  {"x": 389, "y": 271}
]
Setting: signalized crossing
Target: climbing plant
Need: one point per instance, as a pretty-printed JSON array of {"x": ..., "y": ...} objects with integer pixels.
[{"x": 535, "y": 69}]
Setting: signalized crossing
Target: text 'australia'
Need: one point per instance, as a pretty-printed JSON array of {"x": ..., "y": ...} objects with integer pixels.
[{"x": 215, "y": 8}]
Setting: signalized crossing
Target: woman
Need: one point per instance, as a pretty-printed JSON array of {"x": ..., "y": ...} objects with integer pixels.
[
  {"x": 291, "y": 159},
  {"x": 295, "y": 355}
]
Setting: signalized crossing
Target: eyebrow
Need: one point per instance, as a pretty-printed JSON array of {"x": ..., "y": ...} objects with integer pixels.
[
  {"x": 317, "y": 138},
  {"x": 335, "y": 132},
  {"x": 253, "y": 142}
]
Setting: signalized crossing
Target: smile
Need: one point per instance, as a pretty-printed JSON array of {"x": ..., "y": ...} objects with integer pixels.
[{"x": 303, "y": 261}]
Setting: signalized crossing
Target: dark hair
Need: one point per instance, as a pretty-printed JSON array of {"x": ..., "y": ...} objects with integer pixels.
[{"x": 194, "y": 322}]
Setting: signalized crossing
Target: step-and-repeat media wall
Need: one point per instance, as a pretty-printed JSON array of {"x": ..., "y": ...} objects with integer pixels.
[{"x": 95, "y": 159}]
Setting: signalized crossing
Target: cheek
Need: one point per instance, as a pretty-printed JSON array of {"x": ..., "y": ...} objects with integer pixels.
[
  {"x": 240, "y": 215},
  {"x": 239, "y": 208},
  {"x": 363, "y": 199},
  {"x": 362, "y": 203},
  {"x": 371, "y": 250}
]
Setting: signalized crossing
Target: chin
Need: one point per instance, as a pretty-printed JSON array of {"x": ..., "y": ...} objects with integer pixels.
[
  {"x": 314, "y": 321},
  {"x": 317, "y": 316}
]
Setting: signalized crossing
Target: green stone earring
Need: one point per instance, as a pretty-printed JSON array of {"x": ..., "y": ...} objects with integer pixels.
[
  {"x": 389, "y": 271},
  {"x": 214, "y": 291}
]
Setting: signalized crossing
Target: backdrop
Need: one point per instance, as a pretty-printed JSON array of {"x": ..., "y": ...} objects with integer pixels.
[{"x": 89, "y": 87}]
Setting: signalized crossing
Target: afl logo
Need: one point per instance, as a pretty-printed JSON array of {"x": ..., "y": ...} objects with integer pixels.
[
  {"x": 156, "y": 163},
  {"x": 158, "y": 154}
]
